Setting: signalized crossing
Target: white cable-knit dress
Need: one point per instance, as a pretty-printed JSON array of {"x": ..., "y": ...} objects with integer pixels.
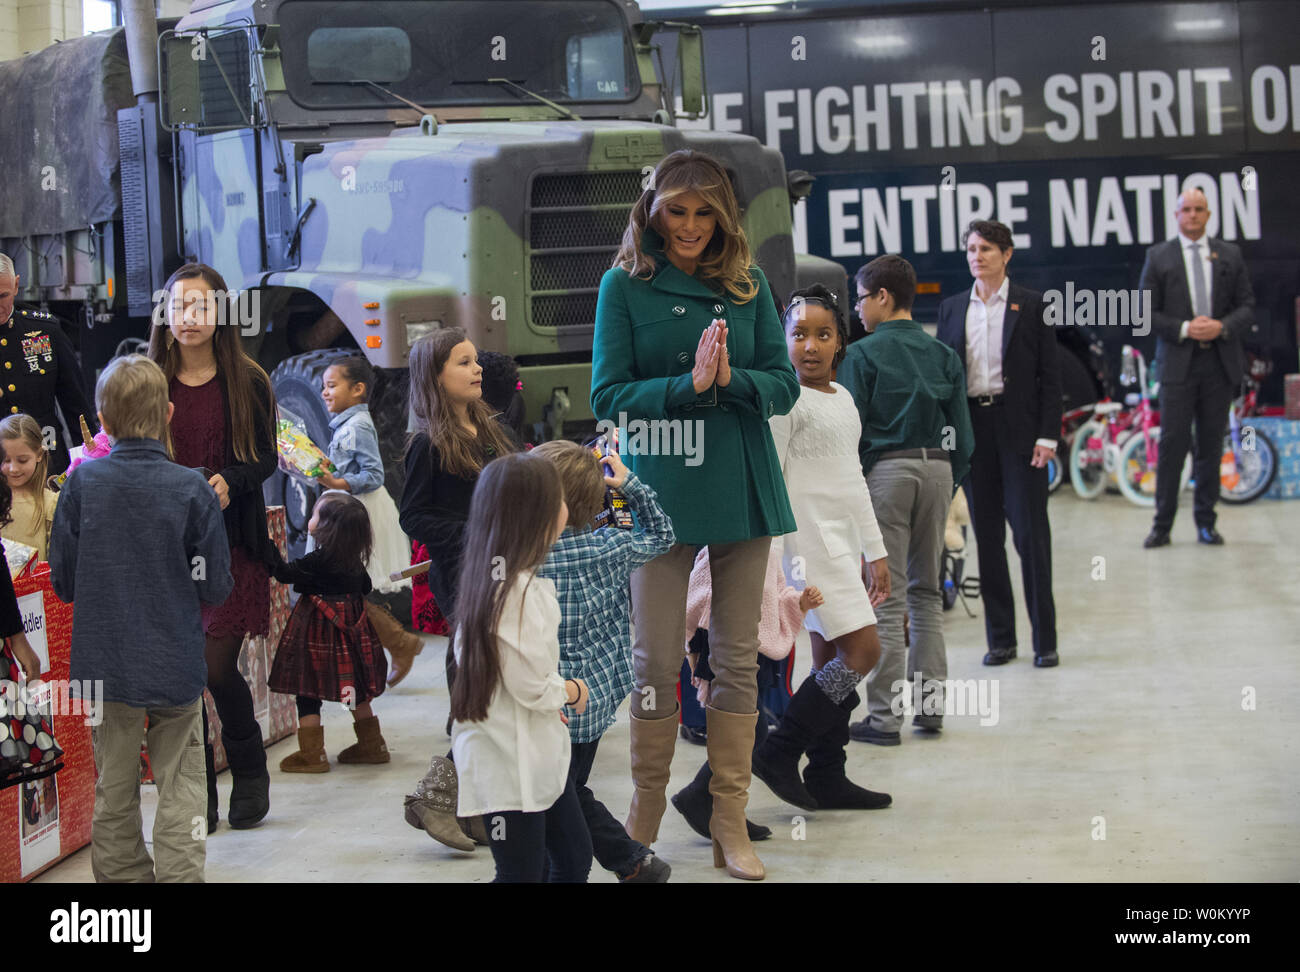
[{"x": 817, "y": 443}]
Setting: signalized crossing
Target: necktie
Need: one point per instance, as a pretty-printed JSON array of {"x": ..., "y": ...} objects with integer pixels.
[{"x": 1200, "y": 298}]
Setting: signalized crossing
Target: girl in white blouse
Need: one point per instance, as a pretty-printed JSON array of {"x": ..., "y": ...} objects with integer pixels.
[{"x": 509, "y": 740}]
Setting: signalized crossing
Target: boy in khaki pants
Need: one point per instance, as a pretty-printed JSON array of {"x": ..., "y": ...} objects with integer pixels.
[{"x": 137, "y": 543}]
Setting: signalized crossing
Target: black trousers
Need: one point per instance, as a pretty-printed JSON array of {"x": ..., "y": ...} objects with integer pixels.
[
  {"x": 551, "y": 845},
  {"x": 615, "y": 851},
  {"x": 1203, "y": 398},
  {"x": 1003, "y": 487}
]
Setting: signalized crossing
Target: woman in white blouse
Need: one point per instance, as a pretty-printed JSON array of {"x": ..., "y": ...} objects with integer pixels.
[{"x": 509, "y": 740}]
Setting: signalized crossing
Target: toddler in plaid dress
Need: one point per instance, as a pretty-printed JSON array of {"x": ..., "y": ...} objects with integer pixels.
[
  {"x": 590, "y": 569},
  {"x": 329, "y": 649}
]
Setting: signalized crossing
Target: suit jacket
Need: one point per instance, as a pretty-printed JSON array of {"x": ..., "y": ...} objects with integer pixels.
[
  {"x": 1030, "y": 369},
  {"x": 1232, "y": 301}
]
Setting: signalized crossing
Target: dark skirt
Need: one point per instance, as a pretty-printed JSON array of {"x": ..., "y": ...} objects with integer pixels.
[
  {"x": 329, "y": 651},
  {"x": 248, "y": 608}
]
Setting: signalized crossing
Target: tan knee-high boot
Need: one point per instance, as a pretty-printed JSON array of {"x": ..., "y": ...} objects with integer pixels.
[
  {"x": 652, "y": 757},
  {"x": 731, "y": 744},
  {"x": 401, "y": 645}
]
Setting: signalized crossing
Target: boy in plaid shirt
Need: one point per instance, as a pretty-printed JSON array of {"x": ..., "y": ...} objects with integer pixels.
[{"x": 590, "y": 569}]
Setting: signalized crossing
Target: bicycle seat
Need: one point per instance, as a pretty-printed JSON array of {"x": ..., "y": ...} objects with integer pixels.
[{"x": 1107, "y": 408}]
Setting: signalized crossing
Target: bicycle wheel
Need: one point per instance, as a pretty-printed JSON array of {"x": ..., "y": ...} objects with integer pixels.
[
  {"x": 1245, "y": 474},
  {"x": 1087, "y": 466},
  {"x": 1137, "y": 474},
  {"x": 1055, "y": 474}
]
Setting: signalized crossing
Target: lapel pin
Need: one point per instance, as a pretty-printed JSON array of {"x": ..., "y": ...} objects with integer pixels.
[{"x": 1015, "y": 307}]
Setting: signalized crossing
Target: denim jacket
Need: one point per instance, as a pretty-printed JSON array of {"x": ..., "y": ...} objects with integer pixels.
[
  {"x": 354, "y": 450},
  {"x": 137, "y": 543}
]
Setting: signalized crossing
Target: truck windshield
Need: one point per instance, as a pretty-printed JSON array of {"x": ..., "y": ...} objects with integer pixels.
[{"x": 443, "y": 53}]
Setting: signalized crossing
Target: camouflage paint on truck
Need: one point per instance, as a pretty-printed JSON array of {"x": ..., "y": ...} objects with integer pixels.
[{"x": 499, "y": 219}]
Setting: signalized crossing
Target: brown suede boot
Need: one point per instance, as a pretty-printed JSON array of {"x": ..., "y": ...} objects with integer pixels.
[
  {"x": 731, "y": 744},
  {"x": 310, "y": 757},
  {"x": 401, "y": 645},
  {"x": 369, "y": 747},
  {"x": 432, "y": 807},
  {"x": 652, "y": 756}
]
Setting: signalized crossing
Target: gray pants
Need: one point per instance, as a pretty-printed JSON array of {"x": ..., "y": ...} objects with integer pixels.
[
  {"x": 175, "y": 736},
  {"x": 659, "y": 616},
  {"x": 911, "y": 499}
]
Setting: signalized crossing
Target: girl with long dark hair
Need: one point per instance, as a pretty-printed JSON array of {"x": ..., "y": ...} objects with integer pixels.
[
  {"x": 224, "y": 425},
  {"x": 455, "y": 437},
  {"x": 508, "y": 731}
]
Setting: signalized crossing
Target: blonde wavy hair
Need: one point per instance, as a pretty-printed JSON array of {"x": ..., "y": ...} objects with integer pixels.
[{"x": 727, "y": 257}]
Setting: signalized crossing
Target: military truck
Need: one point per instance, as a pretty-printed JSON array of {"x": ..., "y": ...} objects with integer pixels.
[{"x": 365, "y": 173}]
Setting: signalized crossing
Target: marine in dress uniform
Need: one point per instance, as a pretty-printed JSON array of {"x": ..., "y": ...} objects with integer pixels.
[{"x": 38, "y": 367}]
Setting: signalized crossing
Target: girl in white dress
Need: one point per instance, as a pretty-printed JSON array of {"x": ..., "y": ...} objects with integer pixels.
[
  {"x": 818, "y": 446},
  {"x": 354, "y": 452}
]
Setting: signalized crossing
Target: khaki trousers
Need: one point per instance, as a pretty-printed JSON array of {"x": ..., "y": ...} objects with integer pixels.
[
  {"x": 175, "y": 736},
  {"x": 737, "y": 571}
]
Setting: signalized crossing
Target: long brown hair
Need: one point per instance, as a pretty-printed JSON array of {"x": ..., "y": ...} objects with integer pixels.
[
  {"x": 25, "y": 428},
  {"x": 501, "y": 541},
  {"x": 462, "y": 454},
  {"x": 727, "y": 257},
  {"x": 243, "y": 378}
]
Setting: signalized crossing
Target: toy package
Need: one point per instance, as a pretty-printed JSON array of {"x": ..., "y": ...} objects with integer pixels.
[
  {"x": 20, "y": 557},
  {"x": 300, "y": 457},
  {"x": 616, "y": 512},
  {"x": 92, "y": 447}
]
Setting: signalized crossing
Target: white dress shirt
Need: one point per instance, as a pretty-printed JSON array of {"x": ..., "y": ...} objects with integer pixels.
[
  {"x": 984, "y": 346},
  {"x": 984, "y": 341},
  {"x": 518, "y": 757},
  {"x": 1187, "y": 246}
]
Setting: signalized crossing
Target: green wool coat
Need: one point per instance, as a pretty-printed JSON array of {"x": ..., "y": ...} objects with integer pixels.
[{"x": 720, "y": 480}]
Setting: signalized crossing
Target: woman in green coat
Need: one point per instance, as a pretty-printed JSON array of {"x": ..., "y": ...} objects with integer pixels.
[{"x": 689, "y": 363}]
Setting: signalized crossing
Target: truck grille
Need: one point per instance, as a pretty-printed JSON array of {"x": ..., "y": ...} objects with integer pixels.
[{"x": 574, "y": 223}]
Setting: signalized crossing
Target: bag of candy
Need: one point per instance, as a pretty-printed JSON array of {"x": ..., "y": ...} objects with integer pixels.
[{"x": 300, "y": 457}]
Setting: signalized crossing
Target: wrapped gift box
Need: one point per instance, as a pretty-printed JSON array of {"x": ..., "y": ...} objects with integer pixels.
[
  {"x": 1285, "y": 434},
  {"x": 44, "y": 821}
]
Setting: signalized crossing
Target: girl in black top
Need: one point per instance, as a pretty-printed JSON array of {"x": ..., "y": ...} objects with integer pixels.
[
  {"x": 329, "y": 650},
  {"x": 456, "y": 437}
]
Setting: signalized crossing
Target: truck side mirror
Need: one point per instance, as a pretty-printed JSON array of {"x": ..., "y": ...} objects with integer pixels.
[
  {"x": 690, "y": 58},
  {"x": 205, "y": 78},
  {"x": 180, "y": 104}
]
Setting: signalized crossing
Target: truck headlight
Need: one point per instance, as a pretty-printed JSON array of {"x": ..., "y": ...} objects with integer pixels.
[{"x": 418, "y": 329}]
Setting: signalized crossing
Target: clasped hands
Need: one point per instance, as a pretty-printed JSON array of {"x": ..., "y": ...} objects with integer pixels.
[
  {"x": 712, "y": 363},
  {"x": 1203, "y": 328}
]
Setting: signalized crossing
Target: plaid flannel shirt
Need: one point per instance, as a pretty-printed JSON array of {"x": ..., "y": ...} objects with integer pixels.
[{"x": 591, "y": 569}]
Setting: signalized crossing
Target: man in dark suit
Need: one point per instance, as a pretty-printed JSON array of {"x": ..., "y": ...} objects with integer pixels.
[
  {"x": 1014, "y": 387},
  {"x": 1201, "y": 306}
]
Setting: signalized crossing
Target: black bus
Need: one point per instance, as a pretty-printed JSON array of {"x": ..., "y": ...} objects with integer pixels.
[{"x": 1076, "y": 124}]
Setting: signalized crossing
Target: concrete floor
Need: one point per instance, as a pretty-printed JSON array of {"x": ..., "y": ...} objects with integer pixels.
[{"x": 1140, "y": 734}]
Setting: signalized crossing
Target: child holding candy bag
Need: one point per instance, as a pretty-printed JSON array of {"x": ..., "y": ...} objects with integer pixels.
[{"x": 354, "y": 453}]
